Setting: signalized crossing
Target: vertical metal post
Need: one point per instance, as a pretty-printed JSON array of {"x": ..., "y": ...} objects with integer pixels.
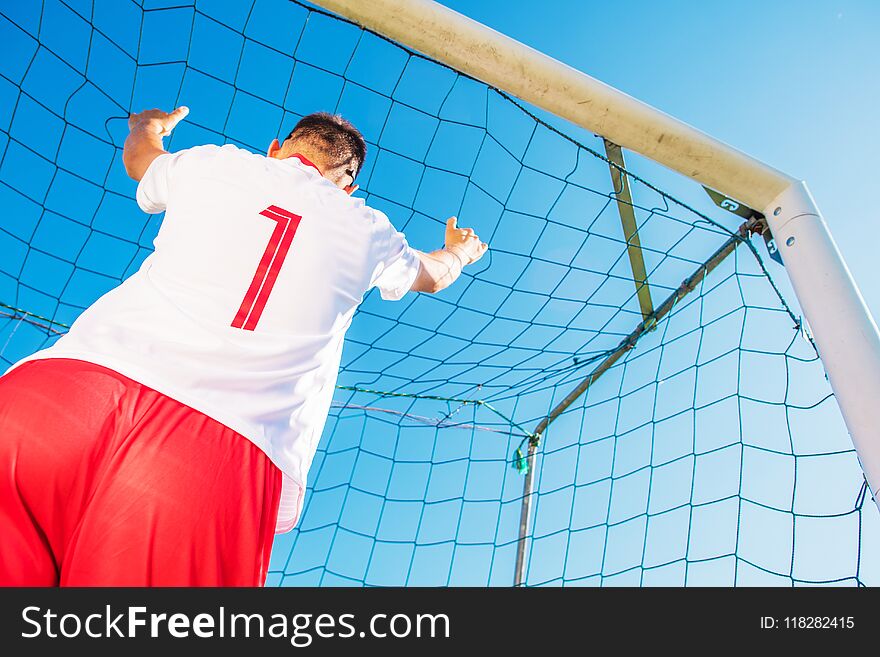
[
  {"x": 845, "y": 333},
  {"x": 524, "y": 517}
]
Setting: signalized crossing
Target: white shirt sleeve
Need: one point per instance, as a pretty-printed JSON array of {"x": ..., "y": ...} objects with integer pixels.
[
  {"x": 397, "y": 263},
  {"x": 154, "y": 189}
]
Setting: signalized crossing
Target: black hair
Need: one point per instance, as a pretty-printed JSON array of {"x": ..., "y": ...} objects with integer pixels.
[{"x": 336, "y": 137}]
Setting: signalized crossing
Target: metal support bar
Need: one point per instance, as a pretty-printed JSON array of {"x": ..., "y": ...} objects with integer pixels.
[
  {"x": 687, "y": 286},
  {"x": 663, "y": 309},
  {"x": 525, "y": 515},
  {"x": 626, "y": 210}
]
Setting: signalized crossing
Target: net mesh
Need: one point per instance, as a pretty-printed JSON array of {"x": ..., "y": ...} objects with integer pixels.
[{"x": 711, "y": 452}]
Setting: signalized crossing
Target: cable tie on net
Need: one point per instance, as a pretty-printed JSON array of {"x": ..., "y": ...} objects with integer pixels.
[
  {"x": 520, "y": 461},
  {"x": 520, "y": 458}
]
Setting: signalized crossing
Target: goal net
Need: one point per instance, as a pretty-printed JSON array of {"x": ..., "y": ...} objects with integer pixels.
[{"x": 706, "y": 448}]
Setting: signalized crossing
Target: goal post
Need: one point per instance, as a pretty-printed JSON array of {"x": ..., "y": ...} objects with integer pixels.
[
  {"x": 497, "y": 60},
  {"x": 622, "y": 393},
  {"x": 845, "y": 333}
]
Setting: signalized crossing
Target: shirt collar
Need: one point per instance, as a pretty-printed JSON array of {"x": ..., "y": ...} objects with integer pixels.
[{"x": 307, "y": 162}]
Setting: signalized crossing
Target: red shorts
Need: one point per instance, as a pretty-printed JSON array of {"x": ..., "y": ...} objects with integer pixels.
[{"x": 105, "y": 482}]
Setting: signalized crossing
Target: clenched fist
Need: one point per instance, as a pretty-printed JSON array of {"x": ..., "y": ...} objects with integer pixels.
[{"x": 463, "y": 242}]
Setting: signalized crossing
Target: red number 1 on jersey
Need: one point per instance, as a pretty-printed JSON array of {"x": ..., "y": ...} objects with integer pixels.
[{"x": 267, "y": 272}]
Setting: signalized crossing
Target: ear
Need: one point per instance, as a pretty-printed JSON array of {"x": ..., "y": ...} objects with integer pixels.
[
  {"x": 350, "y": 189},
  {"x": 274, "y": 149}
]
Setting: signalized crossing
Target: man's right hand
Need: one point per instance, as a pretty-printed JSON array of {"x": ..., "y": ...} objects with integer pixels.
[
  {"x": 463, "y": 242},
  {"x": 439, "y": 269}
]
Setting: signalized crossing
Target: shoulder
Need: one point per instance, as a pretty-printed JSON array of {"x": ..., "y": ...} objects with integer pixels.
[
  {"x": 376, "y": 222},
  {"x": 381, "y": 224},
  {"x": 204, "y": 151},
  {"x": 384, "y": 236},
  {"x": 336, "y": 200},
  {"x": 185, "y": 158},
  {"x": 226, "y": 152},
  {"x": 377, "y": 218},
  {"x": 231, "y": 152},
  {"x": 227, "y": 160}
]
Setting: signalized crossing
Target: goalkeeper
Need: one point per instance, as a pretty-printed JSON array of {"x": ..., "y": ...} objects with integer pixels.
[{"x": 167, "y": 436}]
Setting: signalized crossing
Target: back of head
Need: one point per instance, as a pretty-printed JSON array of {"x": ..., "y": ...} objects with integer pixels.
[{"x": 332, "y": 140}]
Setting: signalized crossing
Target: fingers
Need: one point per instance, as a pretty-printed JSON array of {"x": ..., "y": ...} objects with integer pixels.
[
  {"x": 466, "y": 238},
  {"x": 474, "y": 248},
  {"x": 175, "y": 117},
  {"x": 157, "y": 120},
  {"x": 452, "y": 226},
  {"x": 181, "y": 112},
  {"x": 481, "y": 250}
]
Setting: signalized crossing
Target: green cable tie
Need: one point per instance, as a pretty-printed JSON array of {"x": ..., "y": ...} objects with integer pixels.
[{"x": 520, "y": 462}]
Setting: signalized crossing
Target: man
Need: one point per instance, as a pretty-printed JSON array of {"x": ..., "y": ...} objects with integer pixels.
[{"x": 167, "y": 436}]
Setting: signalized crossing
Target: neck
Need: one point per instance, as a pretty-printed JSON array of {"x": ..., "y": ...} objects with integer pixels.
[
  {"x": 305, "y": 159},
  {"x": 311, "y": 155}
]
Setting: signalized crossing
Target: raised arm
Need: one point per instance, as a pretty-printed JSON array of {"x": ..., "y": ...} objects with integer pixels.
[
  {"x": 144, "y": 141},
  {"x": 441, "y": 268}
]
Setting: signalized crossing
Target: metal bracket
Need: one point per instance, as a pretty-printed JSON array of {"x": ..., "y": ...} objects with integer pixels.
[
  {"x": 731, "y": 205},
  {"x": 735, "y": 207}
]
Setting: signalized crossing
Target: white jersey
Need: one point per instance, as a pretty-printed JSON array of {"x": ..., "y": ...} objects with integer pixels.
[{"x": 241, "y": 310}]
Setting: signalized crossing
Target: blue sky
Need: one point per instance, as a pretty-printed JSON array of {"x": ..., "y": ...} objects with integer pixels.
[
  {"x": 791, "y": 83},
  {"x": 711, "y": 454}
]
